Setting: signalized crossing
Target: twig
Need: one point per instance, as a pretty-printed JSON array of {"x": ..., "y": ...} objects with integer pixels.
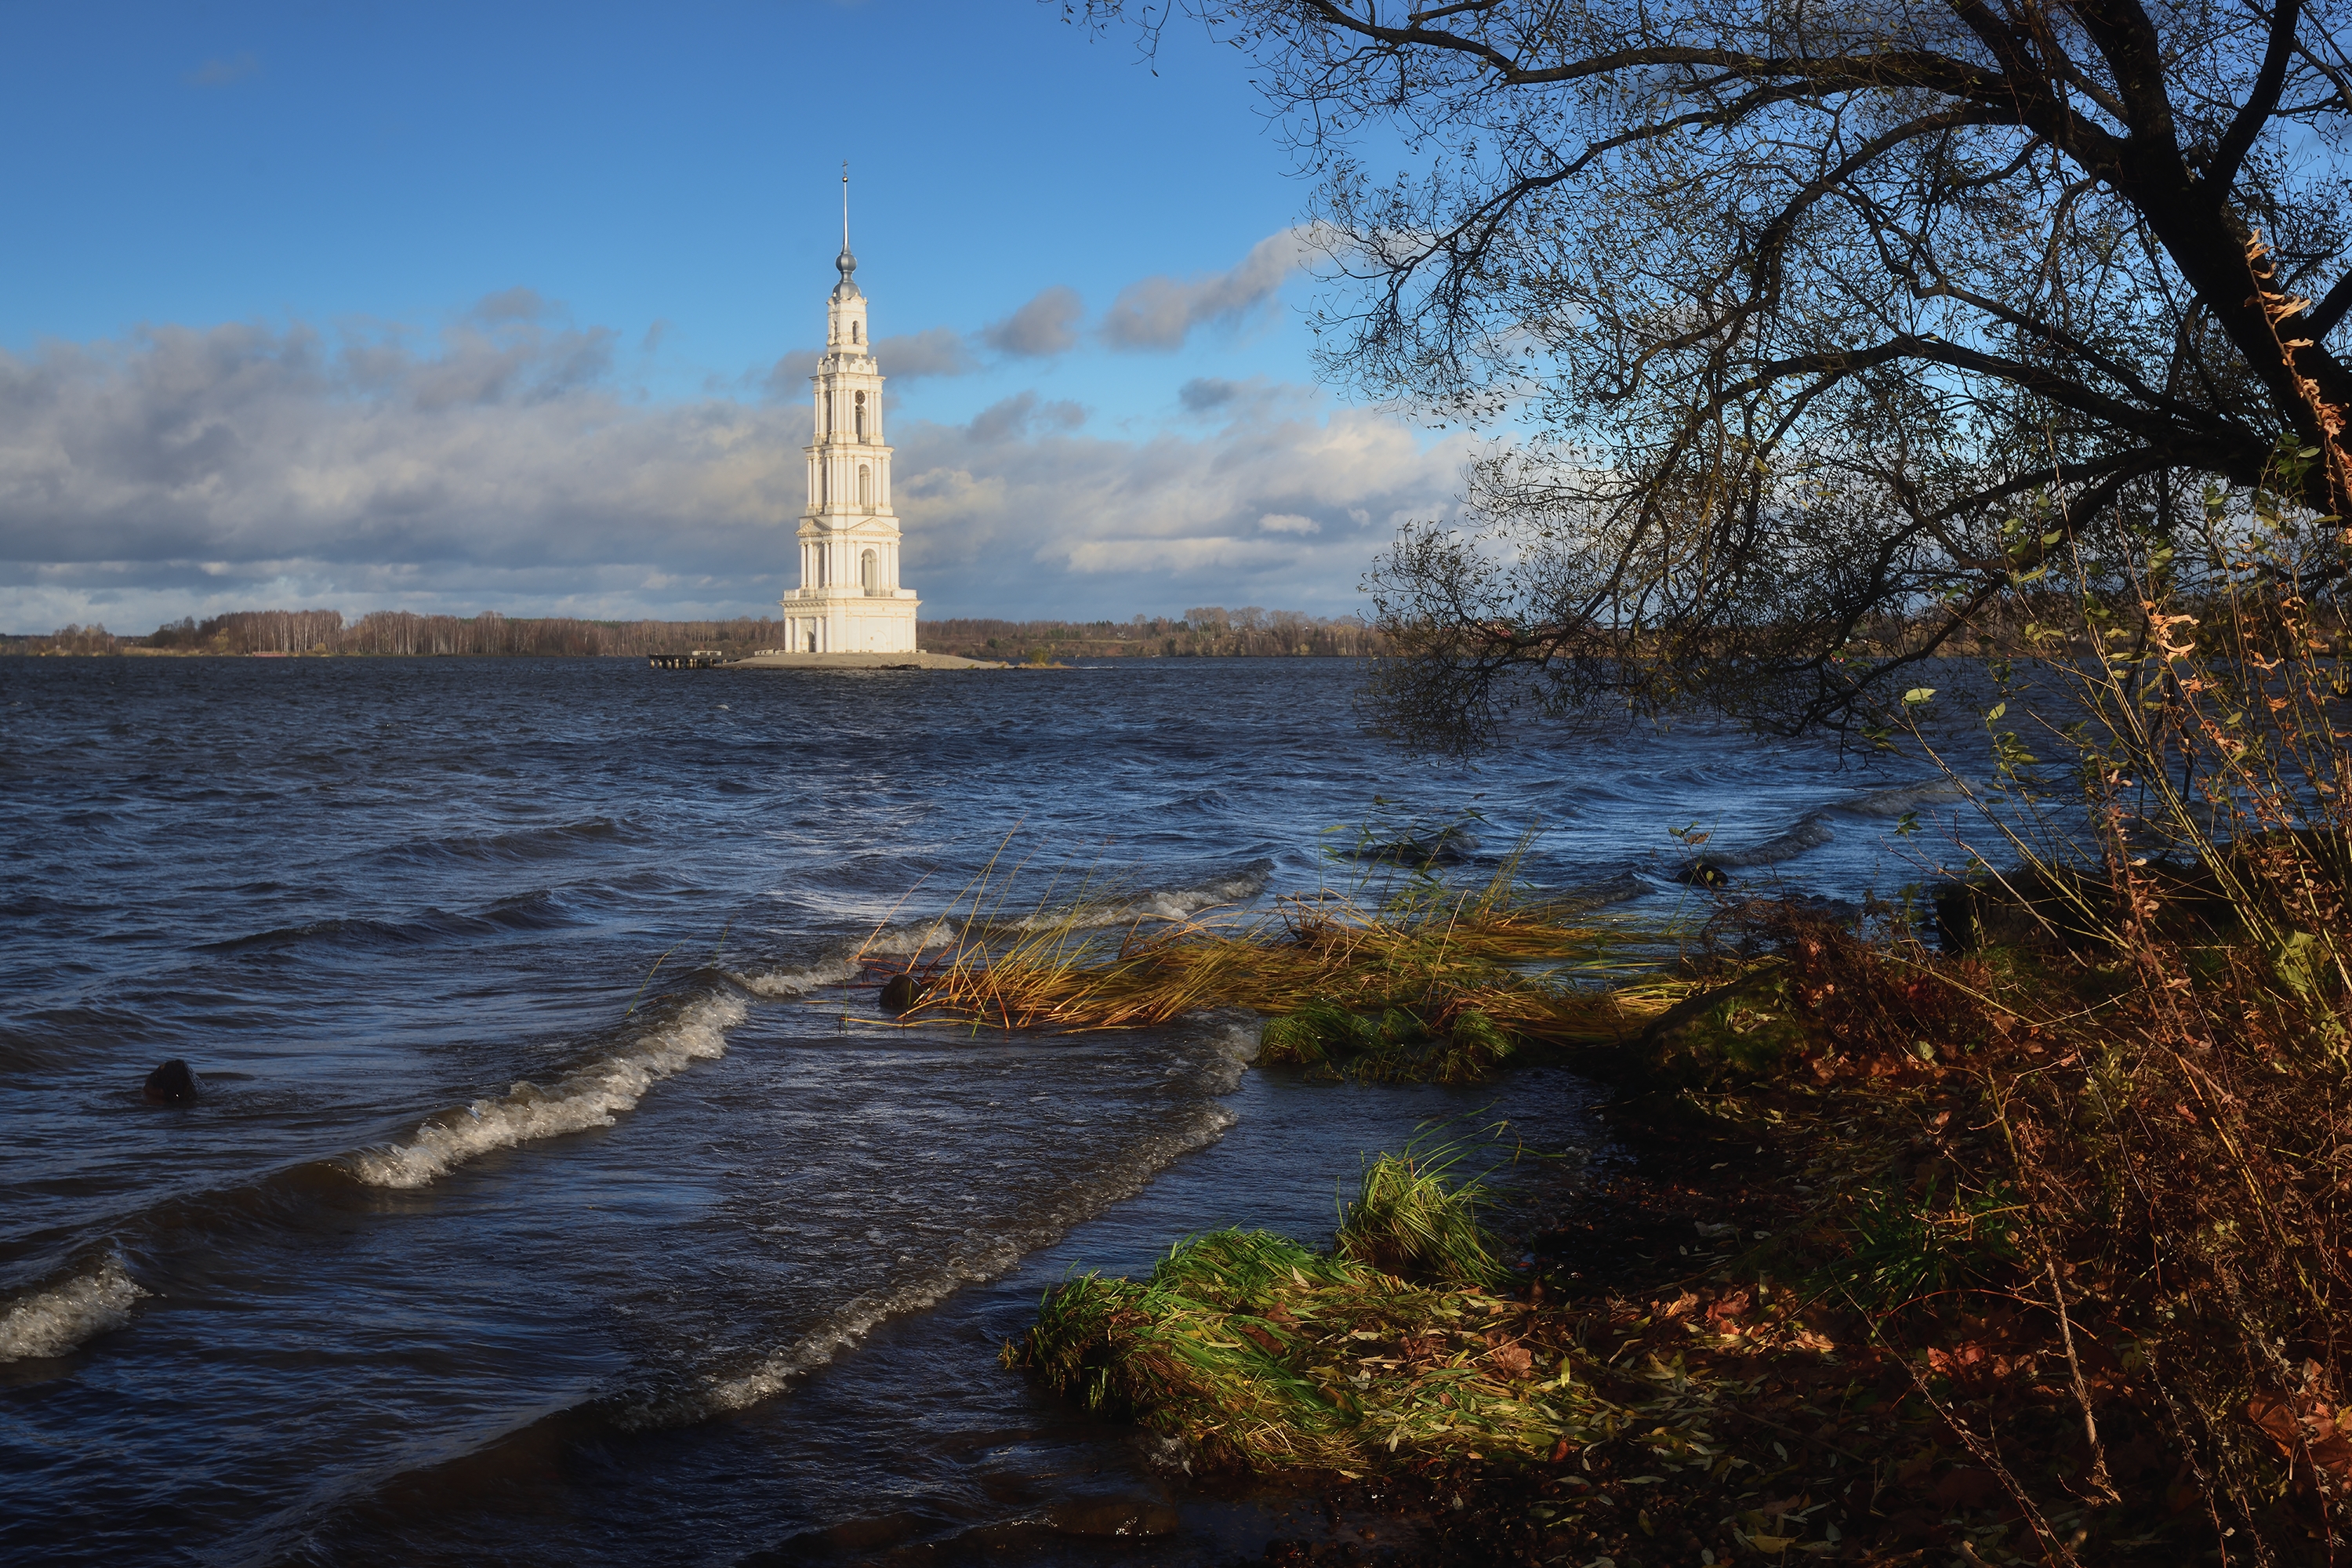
[
  {"x": 2099, "y": 1480},
  {"x": 649, "y": 976}
]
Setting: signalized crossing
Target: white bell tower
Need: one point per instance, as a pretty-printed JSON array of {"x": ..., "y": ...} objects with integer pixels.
[{"x": 849, "y": 600}]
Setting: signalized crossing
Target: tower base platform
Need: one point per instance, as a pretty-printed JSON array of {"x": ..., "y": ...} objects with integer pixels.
[{"x": 785, "y": 660}]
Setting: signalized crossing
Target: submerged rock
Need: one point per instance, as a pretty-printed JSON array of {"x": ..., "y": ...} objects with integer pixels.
[
  {"x": 900, "y": 995},
  {"x": 172, "y": 1083}
]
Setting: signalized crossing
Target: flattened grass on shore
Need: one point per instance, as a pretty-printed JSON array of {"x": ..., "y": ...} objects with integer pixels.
[{"x": 1268, "y": 1356}]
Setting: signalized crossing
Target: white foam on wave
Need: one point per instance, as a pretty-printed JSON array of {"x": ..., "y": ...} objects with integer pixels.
[
  {"x": 1236, "y": 1042},
  {"x": 1160, "y": 903},
  {"x": 782, "y": 1368},
  {"x": 908, "y": 941},
  {"x": 592, "y": 1097},
  {"x": 53, "y": 1322},
  {"x": 799, "y": 980},
  {"x": 1232, "y": 1045}
]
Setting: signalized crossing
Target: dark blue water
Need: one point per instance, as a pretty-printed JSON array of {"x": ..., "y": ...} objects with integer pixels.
[{"x": 548, "y": 1203}]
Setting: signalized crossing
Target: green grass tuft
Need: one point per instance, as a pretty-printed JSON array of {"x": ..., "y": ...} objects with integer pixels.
[
  {"x": 1400, "y": 1047},
  {"x": 1410, "y": 1221},
  {"x": 1269, "y": 1356}
]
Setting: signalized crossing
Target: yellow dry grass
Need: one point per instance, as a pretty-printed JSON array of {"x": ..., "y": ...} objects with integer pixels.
[{"x": 1543, "y": 969}]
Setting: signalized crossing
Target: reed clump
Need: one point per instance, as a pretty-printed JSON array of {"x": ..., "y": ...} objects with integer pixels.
[{"x": 1432, "y": 983}]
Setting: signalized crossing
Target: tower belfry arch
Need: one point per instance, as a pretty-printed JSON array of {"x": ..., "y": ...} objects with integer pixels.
[{"x": 849, "y": 599}]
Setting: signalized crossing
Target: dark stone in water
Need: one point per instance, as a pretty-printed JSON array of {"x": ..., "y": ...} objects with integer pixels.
[
  {"x": 1703, "y": 874},
  {"x": 172, "y": 1083},
  {"x": 900, "y": 995}
]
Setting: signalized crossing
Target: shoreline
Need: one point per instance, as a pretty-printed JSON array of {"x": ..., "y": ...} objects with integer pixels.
[
  {"x": 1812, "y": 1309},
  {"x": 1060, "y": 1481}
]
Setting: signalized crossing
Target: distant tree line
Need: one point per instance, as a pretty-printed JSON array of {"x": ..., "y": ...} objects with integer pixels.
[
  {"x": 1208, "y": 632},
  {"x": 399, "y": 633},
  {"x": 91, "y": 638}
]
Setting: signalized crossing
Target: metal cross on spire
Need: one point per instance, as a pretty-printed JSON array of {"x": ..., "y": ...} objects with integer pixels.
[{"x": 845, "y": 263}]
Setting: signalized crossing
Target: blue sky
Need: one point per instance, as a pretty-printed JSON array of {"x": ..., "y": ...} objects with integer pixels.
[{"x": 485, "y": 307}]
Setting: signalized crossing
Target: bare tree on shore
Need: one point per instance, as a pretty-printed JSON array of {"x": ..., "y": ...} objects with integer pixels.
[{"x": 1820, "y": 324}]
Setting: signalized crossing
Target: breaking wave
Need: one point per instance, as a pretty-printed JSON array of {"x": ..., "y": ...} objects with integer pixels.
[
  {"x": 800, "y": 979},
  {"x": 592, "y": 1097},
  {"x": 51, "y": 1323},
  {"x": 1127, "y": 906},
  {"x": 1810, "y": 833},
  {"x": 984, "y": 1259},
  {"x": 1123, "y": 907}
]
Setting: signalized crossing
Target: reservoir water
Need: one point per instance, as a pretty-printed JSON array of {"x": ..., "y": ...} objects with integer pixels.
[{"x": 548, "y": 1203}]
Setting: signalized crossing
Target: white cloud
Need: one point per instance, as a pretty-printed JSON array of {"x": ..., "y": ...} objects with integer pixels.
[
  {"x": 1047, "y": 325},
  {"x": 1094, "y": 520},
  {"x": 519, "y": 303},
  {"x": 934, "y": 350},
  {"x": 1159, "y": 313},
  {"x": 498, "y": 465}
]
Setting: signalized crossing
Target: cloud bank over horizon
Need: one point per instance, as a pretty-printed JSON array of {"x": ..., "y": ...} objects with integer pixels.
[{"x": 503, "y": 463}]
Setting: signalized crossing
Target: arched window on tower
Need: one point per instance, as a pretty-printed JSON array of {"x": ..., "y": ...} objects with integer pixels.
[
  {"x": 854, "y": 330},
  {"x": 828, "y": 412},
  {"x": 864, "y": 486},
  {"x": 869, "y": 571},
  {"x": 861, "y": 416}
]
